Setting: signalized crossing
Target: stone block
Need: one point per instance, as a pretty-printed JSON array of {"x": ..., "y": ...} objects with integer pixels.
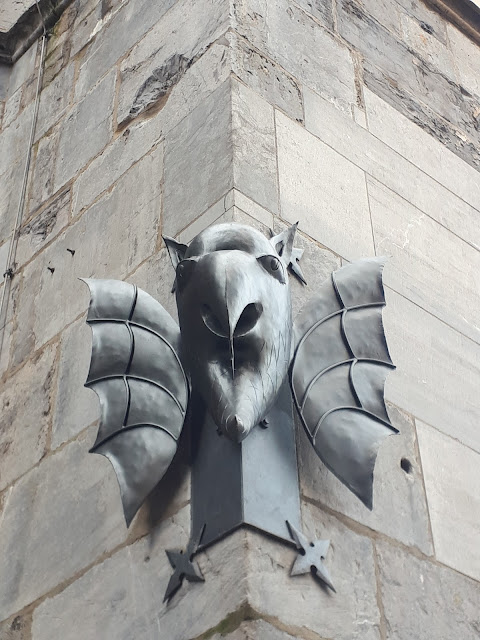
[
  {"x": 452, "y": 480},
  {"x": 423, "y": 600},
  {"x": 437, "y": 376},
  {"x": 12, "y": 107},
  {"x": 15, "y": 138},
  {"x": 41, "y": 179},
  {"x": 465, "y": 52},
  {"x": 391, "y": 169},
  {"x": 322, "y": 190},
  {"x": 113, "y": 39},
  {"x": 58, "y": 519},
  {"x": 422, "y": 149},
  {"x": 43, "y": 228},
  {"x": 25, "y": 402},
  {"x": 300, "y": 603},
  {"x": 321, "y": 10},
  {"x": 428, "y": 47},
  {"x": 386, "y": 12},
  {"x": 399, "y": 506},
  {"x": 22, "y": 70},
  {"x": 433, "y": 22},
  {"x": 108, "y": 241},
  {"x": 246, "y": 205},
  {"x": 254, "y": 149},
  {"x": 266, "y": 78},
  {"x": 75, "y": 406},
  {"x": 162, "y": 57},
  {"x": 85, "y": 131},
  {"x": 387, "y": 57},
  {"x": 55, "y": 100},
  {"x": 6, "y": 344},
  {"x": 429, "y": 265},
  {"x": 252, "y": 630},
  {"x": 123, "y": 595},
  {"x": 112, "y": 163},
  {"x": 289, "y": 36},
  {"x": 462, "y": 144},
  {"x": 10, "y": 189},
  {"x": 198, "y": 161}
]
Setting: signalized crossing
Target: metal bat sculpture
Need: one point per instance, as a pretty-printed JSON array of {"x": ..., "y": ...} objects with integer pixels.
[{"x": 235, "y": 348}]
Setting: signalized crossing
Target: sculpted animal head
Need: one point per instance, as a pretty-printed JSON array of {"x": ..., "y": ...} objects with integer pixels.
[{"x": 233, "y": 301}]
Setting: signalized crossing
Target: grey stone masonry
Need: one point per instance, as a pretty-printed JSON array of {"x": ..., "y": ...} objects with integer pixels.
[{"x": 360, "y": 119}]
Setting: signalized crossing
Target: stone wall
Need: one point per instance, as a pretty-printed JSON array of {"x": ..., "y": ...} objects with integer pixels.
[{"x": 360, "y": 119}]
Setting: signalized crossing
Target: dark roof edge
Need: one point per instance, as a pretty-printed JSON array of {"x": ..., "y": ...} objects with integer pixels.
[
  {"x": 29, "y": 28},
  {"x": 462, "y": 13}
]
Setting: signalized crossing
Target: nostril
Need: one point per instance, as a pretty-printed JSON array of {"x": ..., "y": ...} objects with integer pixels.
[
  {"x": 248, "y": 319},
  {"x": 213, "y": 323}
]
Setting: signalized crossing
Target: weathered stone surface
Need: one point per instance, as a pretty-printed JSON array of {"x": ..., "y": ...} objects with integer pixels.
[
  {"x": 428, "y": 47},
  {"x": 465, "y": 146},
  {"x": 25, "y": 403},
  {"x": 15, "y": 138},
  {"x": 252, "y": 209},
  {"x": 115, "y": 40},
  {"x": 385, "y": 54},
  {"x": 123, "y": 595},
  {"x": 41, "y": 179},
  {"x": 198, "y": 161},
  {"x": 156, "y": 277},
  {"x": 466, "y": 56},
  {"x": 400, "y": 509},
  {"x": 10, "y": 188},
  {"x": 429, "y": 265},
  {"x": 386, "y": 12},
  {"x": 163, "y": 56},
  {"x": 437, "y": 376},
  {"x": 75, "y": 406},
  {"x": 254, "y": 630},
  {"x": 22, "y": 70},
  {"x": 266, "y": 77},
  {"x": 12, "y": 107},
  {"x": 55, "y": 99},
  {"x": 422, "y": 600},
  {"x": 119, "y": 156},
  {"x": 422, "y": 149},
  {"x": 452, "y": 479},
  {"x": 433, "y": 22},
  {"x": 109, "y": 240},
  {"x": 57, "y": 520},
  {"x": 293, "y": 39},
  {"x": 351, "y": 612},
  {"x": 390, "y": 168},
  {"x": 16, "y": 628},
  {"x": 323, "y": 11},
  {"x": 324, "y": 190},
  {"x": 254, "y": 149},
  {"x": 43, "y": 228},
  {"x": 85, "y": 131}
]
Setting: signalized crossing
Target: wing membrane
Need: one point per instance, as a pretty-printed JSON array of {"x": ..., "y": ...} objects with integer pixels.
[
  {"x": 136, "y": 372},
  {"x": 338, "y": 373}
]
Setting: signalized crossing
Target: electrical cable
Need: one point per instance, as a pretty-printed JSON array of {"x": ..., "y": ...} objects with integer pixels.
[{"x": 10, "y": 264}]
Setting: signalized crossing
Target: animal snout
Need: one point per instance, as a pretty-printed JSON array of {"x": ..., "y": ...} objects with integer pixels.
[{"x": 221, "y": 324}]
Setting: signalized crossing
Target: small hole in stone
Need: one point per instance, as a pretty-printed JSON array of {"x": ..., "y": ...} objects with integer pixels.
[
  {"x": 147, "y": 558},
  {"x": 312, "y": 544},
  {"x": 406, "y": 465}
]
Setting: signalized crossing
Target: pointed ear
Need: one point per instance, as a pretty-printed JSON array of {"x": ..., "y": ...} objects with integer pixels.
[
  {"x": 176, "y": 250},
  {"x": 283, "y": 243}
]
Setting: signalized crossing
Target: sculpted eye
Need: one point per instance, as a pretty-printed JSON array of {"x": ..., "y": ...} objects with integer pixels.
[
  {"x": 184, "y": 271},
  {"x": 274, "y": 266}
]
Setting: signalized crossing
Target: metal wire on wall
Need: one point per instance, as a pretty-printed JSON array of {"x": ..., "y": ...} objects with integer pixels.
[{"x": 12, "y": 248}]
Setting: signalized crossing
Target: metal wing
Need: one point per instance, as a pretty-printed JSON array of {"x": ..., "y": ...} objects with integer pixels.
[
  {"x": 338, "y": 373},
  {"x": 136, "y": 372}
]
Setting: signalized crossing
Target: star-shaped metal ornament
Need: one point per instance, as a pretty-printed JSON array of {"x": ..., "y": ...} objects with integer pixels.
[
  {"x": 183, "y": 566},
  {"x": 310, "y": 557}
]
